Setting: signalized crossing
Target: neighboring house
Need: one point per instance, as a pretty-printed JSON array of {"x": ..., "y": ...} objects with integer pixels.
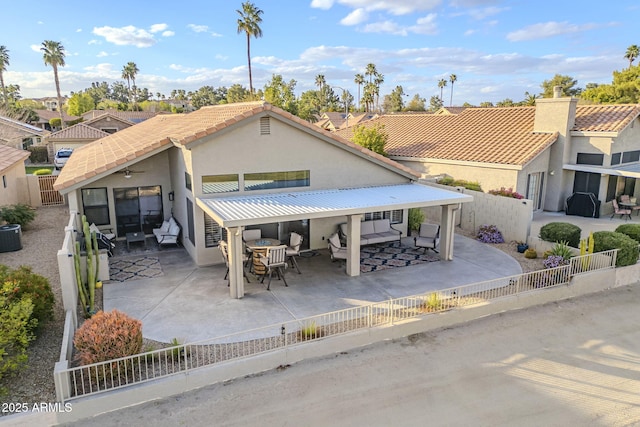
[
  {"x": 18, "y": 134},
  {"x": 131, "y": 116},
  {"x": 50, "y": 102},
  {"x": 44, "y": 117},
  {"x": 545, "y": 153},
  {"x": 450, "y": 110},
  {"x": 226, "y": 167},
  {"x": 13, "y": 176},
  {"x": 333, "y": 120}
]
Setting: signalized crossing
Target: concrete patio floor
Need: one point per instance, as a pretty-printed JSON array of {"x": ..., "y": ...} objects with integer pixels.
[{"x": 190, "y": 303}]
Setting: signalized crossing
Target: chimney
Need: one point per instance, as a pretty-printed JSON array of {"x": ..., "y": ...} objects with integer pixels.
[{"x": 557, "y": 91}]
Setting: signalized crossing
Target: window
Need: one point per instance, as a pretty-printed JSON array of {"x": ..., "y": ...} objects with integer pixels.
[
  {"x": 395, "y": 216},
  {"x": 630, "y": 156},
  {"x": 95, "y": 205},
  {"x": 4, "y": 181},
  {"x": 534, "y": 189},
  {"x": 191, "y": 232},
  {"x": 220, "y": 183},
  {"x": 615, "y": 158},
  {"x": 611, "y": 188},
  {"x": 590, "y": 159},
  {"x": 187, "y": 181},
  {"x": 587, "y": 182},
  {"x": 269, "y": 180},
  {"x": 109, "y": 130},
  {"x": 213, "y": 233}
]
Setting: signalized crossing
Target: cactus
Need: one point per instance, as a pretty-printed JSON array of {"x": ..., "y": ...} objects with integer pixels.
[{"x": 87, "y": 289}]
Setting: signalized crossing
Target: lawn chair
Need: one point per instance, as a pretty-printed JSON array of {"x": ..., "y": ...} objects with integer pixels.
[
  {"x": 274, "y": 260},
  {"x": 225, "y": 254},
  {"x": 293, "y": 250},
  {"x": 336, "y": 249},
  {"x": 428, "y": 238},
  {"x": 617, "y": 210}
]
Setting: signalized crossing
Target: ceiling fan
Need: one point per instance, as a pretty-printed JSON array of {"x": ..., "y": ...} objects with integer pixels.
[{"x": 128, "y": 172}]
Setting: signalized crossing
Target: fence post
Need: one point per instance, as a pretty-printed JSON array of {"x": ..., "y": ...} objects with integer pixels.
[
  {"x": 62, "y": 381},
  {"x": 390, "y": 310}
]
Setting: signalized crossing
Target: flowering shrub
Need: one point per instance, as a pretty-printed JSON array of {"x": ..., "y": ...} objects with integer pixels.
[
  {"x": 554, "y": 261},
  {"x": 490, "y": 234},
  {"x": 506, "y": 192}
]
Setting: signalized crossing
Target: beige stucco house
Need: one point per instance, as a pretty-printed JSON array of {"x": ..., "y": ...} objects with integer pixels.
[
  {"x": 13, "y": 184},
  {"x": 223, "y": 168},
  {"x": 546, "y": 152}
]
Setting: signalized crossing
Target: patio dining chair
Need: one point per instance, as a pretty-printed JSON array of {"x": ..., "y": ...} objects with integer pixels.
[
  {"x": 428, "y": 237},
  {"x": 224, "y": 248},
  {"x": 617, "y": 210},
  {"x": 275, "y": 259},
  {"x": 293, "y": 250},
  {"x": 336, "y": 249}
]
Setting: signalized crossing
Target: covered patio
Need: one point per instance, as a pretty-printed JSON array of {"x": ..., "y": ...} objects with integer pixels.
[{"x": 235, "y": 213}]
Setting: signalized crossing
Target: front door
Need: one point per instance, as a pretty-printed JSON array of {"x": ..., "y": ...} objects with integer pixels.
[{"x": 138, "y": 209}]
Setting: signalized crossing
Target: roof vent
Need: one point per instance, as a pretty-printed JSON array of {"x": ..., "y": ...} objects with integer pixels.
[
  {"x": 557, "y": 91},
  {"x": 265, "y": 126}
]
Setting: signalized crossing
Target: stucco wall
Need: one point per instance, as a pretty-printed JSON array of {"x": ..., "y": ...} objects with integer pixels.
[{"x": 16, "y": 190}]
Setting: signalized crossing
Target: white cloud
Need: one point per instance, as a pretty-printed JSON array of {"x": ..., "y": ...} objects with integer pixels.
[
  {"x": 545, "y": 30},
  {"x": 128, "y": 35},
  {"x": 35, "y": 47},
  {"x": 94, "y": 41},
  {"x": 156, "y": 28},
  {"x": 322, "y": 4},
  {"x": 216, "y": 35},
  {"x": 356, "y": 17},
  {"x": 425, "y": 25},
  {"x": 389, "y": 27},
  {"x": 102, "y": 54},
  {"x": 198, "y": 28},
  {"x": 79, "y": 30},
  {"x": 221, "y": 57},
  {"x": 394, "y": 7},
  {"x": 168, "y": 33}
]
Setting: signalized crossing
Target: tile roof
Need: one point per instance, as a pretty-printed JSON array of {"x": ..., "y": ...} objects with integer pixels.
[
  {"x": 605, "y": 118},
  {"x": 9, "y": 156},
  {"x": 79, "y": 131},
  {"x": 132, "y": 116},
  {"x": 108, "y": 116},
  {"x": 45, "y": 115},
  {"x": 10, "y": 128},
  {"x": 112, "y": 152}
]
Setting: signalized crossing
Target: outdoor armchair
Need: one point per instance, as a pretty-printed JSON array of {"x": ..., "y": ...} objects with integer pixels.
[
  {"x": 336, "y": 249},
  {"x": 428, "y": 237},
  {"x": 224, "y": 248},
  {"x": 293, "y": 250},
  {"x": 274, "y": 260}
]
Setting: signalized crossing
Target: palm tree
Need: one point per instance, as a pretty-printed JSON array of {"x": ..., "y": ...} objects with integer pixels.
[
  {"x": 321, "y": 82},
  {"x": 129, "y": 73},
  {"x": 378, "y": 81},
  {"x": 249, "y": 23},
  {"x": 633, "y": 52},
  {"x": 371, "y": 71},
  {"x": 359, "y": 80},
  {"x": 53, "y": 54},
  {"x": 452, "y": 78},
  {"x": 441, "y": 84},
  {"x": 4, "y": 62}
]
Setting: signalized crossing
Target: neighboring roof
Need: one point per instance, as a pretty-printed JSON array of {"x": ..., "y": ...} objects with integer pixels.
[
  {"x": 102, "y": 157},
  {"x": 11, "y": 128},
  {"x": 108, "y": 116},
  {"x": 9, "y": 156},
  {"x": 451, "y": 110},
  {"x": 78, "y": 131},
  {"x": 295, "y": 205},
  {"x": 132, "y": 116},
  {"x": 45, "y": 115},
  {"x": 605, "y": 118}
]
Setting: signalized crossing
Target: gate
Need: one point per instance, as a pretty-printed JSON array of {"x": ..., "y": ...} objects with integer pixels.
[{"x": 48, "y": 195}]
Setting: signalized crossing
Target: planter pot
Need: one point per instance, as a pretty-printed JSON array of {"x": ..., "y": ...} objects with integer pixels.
[{"x": 523, "y": 247}]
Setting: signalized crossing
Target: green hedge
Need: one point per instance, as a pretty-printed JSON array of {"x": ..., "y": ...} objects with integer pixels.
[
  {"x": 631, "y": 230},
  {"x": 561, "y": 232},
  {"x": 627, "y": 247},
  {"x": 469, "y": 185},
  {"x": 39, "y": 154}
]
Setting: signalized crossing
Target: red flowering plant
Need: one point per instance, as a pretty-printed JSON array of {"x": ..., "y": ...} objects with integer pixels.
[{"x": 506, "y": 192}]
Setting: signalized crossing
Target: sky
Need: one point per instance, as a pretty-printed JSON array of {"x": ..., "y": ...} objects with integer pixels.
[{"x": 497, "y": 49}]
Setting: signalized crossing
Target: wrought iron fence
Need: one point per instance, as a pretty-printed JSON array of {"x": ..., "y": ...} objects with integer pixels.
[{"x": 127, "y": 371}]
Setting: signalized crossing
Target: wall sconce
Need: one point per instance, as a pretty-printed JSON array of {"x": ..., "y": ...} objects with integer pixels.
[
  {"x": 171, "y": 196},
  {"x": 552, "y": 173}
]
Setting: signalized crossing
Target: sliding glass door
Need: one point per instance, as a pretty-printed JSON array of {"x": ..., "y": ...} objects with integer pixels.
[{"x": 138, "y": 209}]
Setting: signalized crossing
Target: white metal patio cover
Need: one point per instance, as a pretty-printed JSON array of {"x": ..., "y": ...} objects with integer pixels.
[
  {"x": 627, "y": 171},
  {"x": 236, "y": 212}
]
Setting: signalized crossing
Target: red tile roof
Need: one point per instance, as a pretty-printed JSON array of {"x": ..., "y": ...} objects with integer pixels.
[
  {"x": 111, "y": 152},
  {"x": 79, "y": 131},
  {"x": 605, "y": 118},
  {"x": 9, "y": 156}
]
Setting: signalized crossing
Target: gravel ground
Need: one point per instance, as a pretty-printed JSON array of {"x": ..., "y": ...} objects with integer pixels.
[{"x": 41, "y": 242}]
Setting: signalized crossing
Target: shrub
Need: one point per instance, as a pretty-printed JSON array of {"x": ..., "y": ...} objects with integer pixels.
[
  {"x": 627, "y": 247},
  {"x": 561, "y": 231},
  {"x": 554, "y": 261},
  {"x": 18, "y": 214},
  {"x": 16, "y": 324},
  {"x": 475, "y": 185},
  {"x": 506, "y": 192},
  {"x": 310, "y": 332},
  {"x": 530, "y": 253},
  {"x": 561, "y": 249},
  {"x": 39, "y": 154},
  {"x": 416, "y": 217},
  {"x": 631, "y": 230},
  {"x": 24, "y": 283},
  {"x": 107, "y": 336},
  {"x": 42, "y": 172},
  {"x": 490, "y": 234}
]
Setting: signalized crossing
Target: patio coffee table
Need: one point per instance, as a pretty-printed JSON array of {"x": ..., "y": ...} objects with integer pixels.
[{"x": 136, "y": 237}]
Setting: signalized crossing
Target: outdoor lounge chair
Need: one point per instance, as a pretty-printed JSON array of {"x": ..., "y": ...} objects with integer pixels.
[
  {"x": 336, "y": 249},
  {"x": 225, "y": 254},
  {"x": 274, "y": 260},
  {"x": 617, "y": 210},
  {"x": 293, "y": 250},
  {"x": 429, "y": 237}
]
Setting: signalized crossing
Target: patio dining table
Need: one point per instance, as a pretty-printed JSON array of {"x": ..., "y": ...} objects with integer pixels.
[{"x": 259, "y": 247}]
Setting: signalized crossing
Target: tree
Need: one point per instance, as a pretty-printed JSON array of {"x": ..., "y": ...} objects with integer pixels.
[
  {"x": 416, "y": 103},
  {"x": 373, "y": 138},
  {"x": 129, "y": 73},
  {"x": 237, "y": 93},
  {"x": 632, "y": 53},
  {"x": 624, "y": 89},
  {"x": 322, "y": 96},
  {"x": 379, "y": 79},
  {"x": 208, "y": 95},
  {"x": 307, "y": 106},
  {"x": 249, "y": 23},
  {"x": 53, "y": 54},
  {"x": 507, "y": 102},
  {"x": 567, "y": 83},
  {"x": 442, "y": 83},
  {"x": 99, "y": 91},
  {"x": 452, "y": 78},
  {"x": 4, "y": 62},
  {"x": 359, "y": 80},
  {"x": 529, "y": 99},
  {"x": 394, "y": 102},
  {"x": 435, "y": 103},
  {"x": 79, "y": 104},
  {"x": 281, "y": 94}
]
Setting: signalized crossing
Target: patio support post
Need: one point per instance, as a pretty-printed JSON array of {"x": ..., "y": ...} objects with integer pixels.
[
  {"x": 353, "y": 244},
  {"x": 447, "y": 231},
  {"x": 236, "y": 278}
]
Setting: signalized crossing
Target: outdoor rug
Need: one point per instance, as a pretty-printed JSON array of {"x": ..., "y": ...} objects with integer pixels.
[
  {"x": 391, "y": 255},
  {"x": 146, "y": 267}
]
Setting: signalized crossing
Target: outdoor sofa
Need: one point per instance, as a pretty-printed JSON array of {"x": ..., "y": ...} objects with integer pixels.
[{"x": 372, "y": 232}]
